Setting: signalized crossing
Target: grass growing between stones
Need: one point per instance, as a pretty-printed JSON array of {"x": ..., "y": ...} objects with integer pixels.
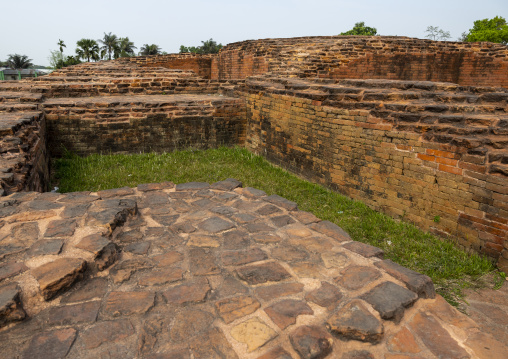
[{"x": 451, "y": 269}]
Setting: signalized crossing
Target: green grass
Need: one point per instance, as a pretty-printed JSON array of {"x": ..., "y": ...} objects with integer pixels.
[{"x": 451, "y": 269}]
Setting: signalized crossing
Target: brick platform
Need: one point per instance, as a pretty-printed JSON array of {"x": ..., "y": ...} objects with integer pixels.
[{"x": 212, "y": 271}]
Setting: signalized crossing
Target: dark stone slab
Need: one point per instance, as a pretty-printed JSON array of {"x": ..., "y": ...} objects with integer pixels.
[
  {"x": 282, "y": 221},
  {"x": 226, "y": 197},
  {"x": 192, "y": 186},
  {"x": 205, "y": 193},
  {"x": 190, "y": 292},
  {"x": 75, "y": 210},
  {"x": 236, "y": 239},
  {"x": 93, "y": 243},
  {"x": 160, "y": 277},
  {"x": 233, "y": 308},
  {"x": 146, "y": 187},
  {"x": 212, "y": 345},
  {"x": 268, "y": 209},
  {"x": 39, "y": 205},
  {"x": 106, "y": 332},
  {"x": 281, "y": 202},
  {"x": 74, "y": 314},
  {"x": 128, "y": 303},
  {"x": 365, "y": 250},
  {"x": 356, "y": 277},
  {"x": 78, "y": 197},
  {"x": 10, "y": 269},
  {"x": 117, "y": 192},
  {"x": 122, "y": 271},
  {"x": 289, "y": 253},
  {"x": 133, "y": 235},
  {"x": 354, "y": 321},
  {"x": 311, "y": 342},
  {"x": 58, "y": 275},
  {"x": 227, "y": 185},
  {"x": 92, "y": 289},
  {"x": 390, "y": 300},
  {"x": 285, "y": 312},
  {"x": 361, "y": 354},
  {"x": 183, "y": 227},
  {"x": 11, "y": 309},
  {"x": 166, "y": 220},
  {"x": 24, "y": 234},
  {"x": 327, "y": 296},
  {"x": 155, "y": 199},
  {"x": 105, "y": 252},
  {"x": 242, "y": 218},
  {"x": 55, "y": 344},
  {"x": 46, "y": 247},
  {"x": 331, "y": 230},
  {"x": 168, "y": 258},
  {"x": 235, "y": 258},
  {"x": 262, "y": 273},
  {"x": 138, "y": 248},
  {"x": 203, "y": 262},
  {"x": 258, "y": 227},
  {"x": 253, "y": 192},
  {"x": 270, "y": 292},
  {"x": 266, "y": 238},
  {"x": 215, "y": 225},
  {"x": 305, "y": 217},
  {"x": 190, "y": 323},
  {"x": 224, "y": 210},
  {"x": 418, "y": 283},
  {"x": 229, "y": 287}
]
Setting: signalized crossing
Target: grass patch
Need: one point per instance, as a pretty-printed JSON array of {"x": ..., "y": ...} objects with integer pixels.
[{"x": 451, "y": 269}]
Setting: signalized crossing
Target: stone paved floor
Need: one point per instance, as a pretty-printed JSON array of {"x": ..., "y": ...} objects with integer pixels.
[{"x": 211, "y": 271}]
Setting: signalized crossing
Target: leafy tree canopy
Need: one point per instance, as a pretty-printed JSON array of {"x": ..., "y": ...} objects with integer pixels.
[
  {"x": 361, "y": 30},
  {"x": 17, "y": 61},
  {"x": 492, "y": 30},
  {"x": 437, "y": 34},
  {"x": 152, "y": 49},
  {"x": 88, "y": 49},
  {"x": 207, "y": 47},
  {"x": 110, "y": 45}
]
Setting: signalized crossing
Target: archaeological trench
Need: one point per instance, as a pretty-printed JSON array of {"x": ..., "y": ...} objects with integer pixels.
[{"x": 413, "y": 128}]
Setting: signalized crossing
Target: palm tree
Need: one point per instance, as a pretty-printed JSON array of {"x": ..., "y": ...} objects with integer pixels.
[
  {"x": 125, "y": 48},
  {"x": 110, "y": 43},
  {"x": 17, "y": 61},
  {"x": 210, "y": 47},
  {"x": 61, "y": 44},
  {"x": 150, "y": 50},
  {"x": 87, "y": 48}
]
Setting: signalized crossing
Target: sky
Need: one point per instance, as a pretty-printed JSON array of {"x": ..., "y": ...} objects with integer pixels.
[{"x": 34, "y": 28}]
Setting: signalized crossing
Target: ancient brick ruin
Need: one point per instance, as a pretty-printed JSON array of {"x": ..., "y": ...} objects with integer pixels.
[{"x": 414, "y": 128}]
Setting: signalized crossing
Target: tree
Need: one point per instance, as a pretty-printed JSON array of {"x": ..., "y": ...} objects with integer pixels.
[
  {"x": 110, "y": 43},
  {"x": 361, "y": 30},
  {"x": 87, "y": 49},
  {"x": 436, "y": 34},
  {"x": 56, "y": 59},
  {"x": 492, "y": 30},
  {"x": 17, "y": 61},
  {"x": 125, "y": 48},
  {"x": 149, "y": 50},
  {"x": 61, "y": 44},
  {"x": 207, "y": 47}
]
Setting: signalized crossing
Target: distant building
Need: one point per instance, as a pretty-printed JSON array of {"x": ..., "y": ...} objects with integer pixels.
[{"x": 10, "y": 74}]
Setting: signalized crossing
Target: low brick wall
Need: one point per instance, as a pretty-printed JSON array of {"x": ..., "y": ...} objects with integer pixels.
[
  {"x": 143, "y": 123},
  {"x": 24, "y": 161},
  {"x": 432, "y": 174}
]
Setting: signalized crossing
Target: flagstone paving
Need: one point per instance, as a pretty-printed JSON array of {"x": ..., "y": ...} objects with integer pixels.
[{"x": 213, "y": 271}]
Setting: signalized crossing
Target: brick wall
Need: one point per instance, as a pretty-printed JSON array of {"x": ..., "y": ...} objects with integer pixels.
[
  {"x": 448, "y": 176},
  {"x": 133, "y": 125}
]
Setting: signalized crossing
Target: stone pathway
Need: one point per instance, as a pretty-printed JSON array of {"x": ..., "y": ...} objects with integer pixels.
[{"x": 210, "y": 271}]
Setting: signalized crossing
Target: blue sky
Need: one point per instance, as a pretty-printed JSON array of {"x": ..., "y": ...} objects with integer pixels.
[{"x": 34, "y": 27}]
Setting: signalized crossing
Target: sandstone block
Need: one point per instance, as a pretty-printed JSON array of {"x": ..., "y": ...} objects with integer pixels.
[
  {"x": 311, "y": 342},
  {"x": 285, "y": 312},
  {"x": 390, "y": 300},
  {"x": 59, "y": 275}
]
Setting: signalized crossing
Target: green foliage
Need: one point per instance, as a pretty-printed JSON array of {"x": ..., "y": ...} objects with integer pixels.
[
  {"x": 125, "y": 48},
  {"x": 207, "y": 47},
  {"x": 492, "y": 30},
  {"x": 450, "y": 268},
  {"x": 437, "y": 34},
  {"x": 147, "y": 50},
  {"x": 18, "y": 61},
  {"x": 110, "y": 45},
  {"x": 88, "y": 49},
  {"x": 361, "y": 30},
  {"x": 61, "y": 45},
  {"x": 57, "y": 60},
  {"x": 437, "y": 219}
]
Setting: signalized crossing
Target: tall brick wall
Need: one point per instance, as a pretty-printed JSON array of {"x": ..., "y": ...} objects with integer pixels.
[
  {"x": 446, "y": 173},
  {"x": 479, "y": 64}
]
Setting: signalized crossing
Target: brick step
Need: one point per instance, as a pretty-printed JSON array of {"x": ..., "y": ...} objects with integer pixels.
[
  {"x": 17, "y": 107},
  {"x": 18, "y": 97},
  {"x": 121, "y": 108}
]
